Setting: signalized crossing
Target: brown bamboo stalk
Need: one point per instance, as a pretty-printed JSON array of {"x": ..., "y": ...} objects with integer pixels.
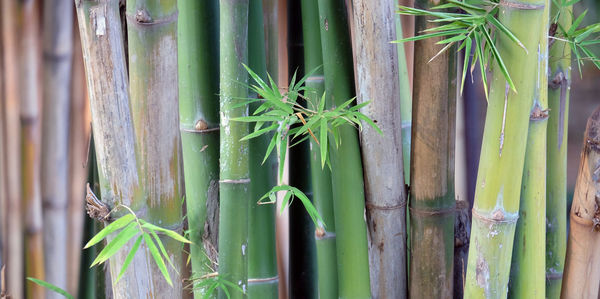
[
  {"x": 376, "y": 65},
  {"x": 12, "y": 156},
  {"x": 58, "y": 48},
  {"x": 79, "y": 134},
  {"x": 582, "y": 265},
  {"x": 28, "y": 59}
]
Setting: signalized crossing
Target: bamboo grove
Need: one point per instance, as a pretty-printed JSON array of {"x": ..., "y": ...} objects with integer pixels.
[{"x": 294, "y": 149}]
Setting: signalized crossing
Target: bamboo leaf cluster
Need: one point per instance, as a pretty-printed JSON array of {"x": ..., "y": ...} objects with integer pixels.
[{"x": 131, "y": 227}]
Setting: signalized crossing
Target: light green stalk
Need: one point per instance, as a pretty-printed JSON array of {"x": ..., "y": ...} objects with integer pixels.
[
  {"x": 152, "y": 45},
  {"x": 262, "y": 263},
  {"x": 556, "y": 187},
  {"x": 527, "y": 276},
  {"x": 498, "y": 188},
  {"x": 198, "y": 49},
  {"x": 405, "y": 99},
  {"x": 325, "y": 238},
  {"x": 432, "y": 201},
  {"x": 347, "y": 172},
  {"x": 234, "y": 187}
]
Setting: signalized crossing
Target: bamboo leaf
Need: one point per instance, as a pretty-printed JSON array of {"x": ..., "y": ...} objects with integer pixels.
[
  {"x": 129, "y": 257},
  {"x": 466, "y": 63},
  {"x": 116, "y": 225},
  {"x": 506, "y": 31},
  {"x": 308, "y": 206},
  {"x": 157, "y": 258},
  {"x": 173, "y": 235},
  {"x": 270, "y": 147},
  {"x": 285, "y": 200},
  {"x": 259, "y": 132},
  {"x": 499, "y": 60},
  {"x": 282, "y": 151},
  {"x": 117, "y": 243},
  {"x": 323, "y": 141},
  {"x": 576, "y": 23},
  {"x": 52, "y": 287}
]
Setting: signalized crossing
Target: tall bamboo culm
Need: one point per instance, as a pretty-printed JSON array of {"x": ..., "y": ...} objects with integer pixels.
[
  {"x": 106, "y": 74},
  {"x": 559, "y": 84},
  {"x": 58, "y": 49},
  {"x": 198, "y": 47},
  {"x": 152, "y": 49},
  {"x": 347, "y": 172},
  {"x": 432, "y": 202},
  {"x": 234, "y": 175},
  {"x": 263, "y": 280},
  {"x": 377, "y": 81},
  {"x": 28, "y": 60},
  {"x": 528, "y": 270},
  {"x": 325, "y": 237},
  {"x": 582, "y": 263},
  {"x": 13, "y": 243},
  {"x": 498, "y": 188}
]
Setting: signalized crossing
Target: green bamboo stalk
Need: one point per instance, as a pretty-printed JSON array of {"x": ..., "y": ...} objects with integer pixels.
[
  {"x": 528, "y": 270},
  {"x": 405, "y": 80},
  {"x": 325, "y": 237},
  {"x": 234, "y": 165},
  {"x": 58, "y": 51},
  {"x": 377, "y": 81},
  {"x": 198, "y": 46},
  {"x": 498, "y": 188},
  {"x": 152, "y": 50},
  {"x": 556, "y": 187},
  {"x": 262, "y": 263},
  {"x": 347, "y": 172},
  {"x": 271, "y": 37},
  {"x": 582, "y": 262},
  {"x": 13, "y": 255},
  {"x": 432, "y": 202}
]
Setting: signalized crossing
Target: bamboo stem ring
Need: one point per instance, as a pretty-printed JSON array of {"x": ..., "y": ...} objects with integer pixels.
[
  {"x": 428, "y": 212},
  {"x": 520, "y": 5},
  {"x": 495, "y": 219}
]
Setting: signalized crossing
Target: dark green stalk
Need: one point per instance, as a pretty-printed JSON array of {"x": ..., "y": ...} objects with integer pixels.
[
  {"x": 498, "y": 189},
  {"x": 234, "y": 194},
  {"x": 262, "y": 262},
  {"x": 198, "y": 46},
  {"x": 432, "y": 201},
  {"x": 347, "y": 172},
  {"x": 559, "y": 83},
  {"x": 325, "y": 239}
]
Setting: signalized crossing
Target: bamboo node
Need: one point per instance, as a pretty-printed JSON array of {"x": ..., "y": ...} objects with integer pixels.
[
  {"x": 95, "y": 208},
  {"x": 263, "y": 280},
  {"x": 432, "y": 212},
  {"x": 143, "y": 18},
  {"x": 498, "y": 216},
  {"x": 538, "y": 114}
]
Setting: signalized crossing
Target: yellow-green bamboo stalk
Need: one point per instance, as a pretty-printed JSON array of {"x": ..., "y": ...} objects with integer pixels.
[
  {"x": 234, "y": 165},
  {"x": 498, "y": 188},
  {"x": 152, "y": 50},
  {"x": 528, "y": 271},
  {"x": 559, "y": 83}
]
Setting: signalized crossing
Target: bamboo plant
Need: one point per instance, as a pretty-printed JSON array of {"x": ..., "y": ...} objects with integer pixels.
[
  {"x": 559, "y": 82},
  {"x": 377, "y": 81},
  {"x": 582, "y": 269},
  {"x": 347, "y": 173},
  {"x": 262, "y": 264},
  {"x": 13, "y": 244},
  {"x": 432, "y": 169},
  {"x": 325, "y": 237},
  {"x": 234, "y": 193},
  {"x": 199, "y": 118},
  {"x": 152, "y": 53},
  {"x": 30, "y": 117},
  {"x": 498, "y": 188},
  {"x": 527, "y": 273},
  {"x": 57, "y": 49}
]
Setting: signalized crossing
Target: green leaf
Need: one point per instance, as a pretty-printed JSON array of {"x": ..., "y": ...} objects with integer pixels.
[
  {"x": 117, "y": 243},
  {"x": 323, "y": 141},
  {"x": 129, "y": 257},
  {"x": 260, "y": 132},
  {"x": 51, "y": 287},
  {"x": 369, "y": 122},
  {"x": 173, "y": 235},
  {"x": 162, "y": 248},
  {"x": 576, "y": 23},
  {"x": 308, "y": 206},
  {"x": 465, "y": 63},
  {"x": 157, "y": 258},
  {"x": 499, "y": 60},
  {"x": 285, "y": 200},
  {"x": 506, "y": 31},
  {"x": 270, "y": 147},
  {"x": 282, "y": 149},
  {"x": 116, "y": 225}
]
